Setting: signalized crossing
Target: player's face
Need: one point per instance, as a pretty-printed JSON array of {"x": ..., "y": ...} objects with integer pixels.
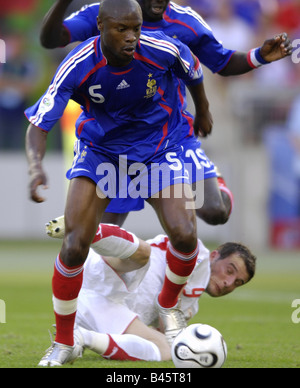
[
  {"x": 119, "y": 37},
  {"x": 153, "y": 10},
  {"x": 226, "y": 274}
]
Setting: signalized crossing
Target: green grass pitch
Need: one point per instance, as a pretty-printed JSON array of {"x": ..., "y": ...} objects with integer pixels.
[{"x": 256, "y": 320}]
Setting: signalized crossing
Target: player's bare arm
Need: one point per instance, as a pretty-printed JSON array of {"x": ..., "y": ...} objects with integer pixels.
[
  {"x": 53, "y": 33},
  {"x": 272, "y": 50},
  {"x": 203, "y": 121},
  {"x": 35, "y": 144}
]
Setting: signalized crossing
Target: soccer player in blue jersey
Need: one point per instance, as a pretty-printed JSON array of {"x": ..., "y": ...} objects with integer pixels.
[
  {"x": 127, "y": 85},
  {"x": 189, "y": 27}
]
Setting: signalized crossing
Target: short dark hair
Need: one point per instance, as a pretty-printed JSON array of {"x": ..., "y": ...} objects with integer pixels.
[
  {"x": 108, "y": 6},
  {"x": 243, "y": 252}
]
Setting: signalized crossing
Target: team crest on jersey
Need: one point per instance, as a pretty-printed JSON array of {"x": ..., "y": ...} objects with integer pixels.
[{"x": 152, "y": 87}]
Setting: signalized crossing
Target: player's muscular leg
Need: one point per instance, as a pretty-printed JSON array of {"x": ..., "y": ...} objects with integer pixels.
[
  {"x": 181, "y": 255},
  {"x": 83, "y": 213},
  {"x": 216, "y": 209},
  {"x": 178, "y": 222}
]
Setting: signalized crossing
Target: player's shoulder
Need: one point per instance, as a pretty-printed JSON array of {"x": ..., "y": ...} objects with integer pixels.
[
  {"x": 151, "y": 36},
  {"x": 80, "y": 60},
  {"x": 157, "y": 47},
  {"x": 186, "y": 16},
  {"x": 90, "y": 10},
  {"x": 159, "y": 41},
  {"x": 159, "y": 35},
  {"x": 83, "y": 49},
  {"x": 182, "y": 12}
]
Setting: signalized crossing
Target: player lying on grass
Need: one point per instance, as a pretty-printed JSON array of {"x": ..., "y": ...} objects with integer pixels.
[
  {"x": 117, "y": 315},
  {"x": 190, "y": 28}
]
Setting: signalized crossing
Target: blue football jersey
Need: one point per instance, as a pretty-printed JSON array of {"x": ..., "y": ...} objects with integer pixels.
[
  {"x": 179, "y": 22},
  {"x": 135, "y": 109}
]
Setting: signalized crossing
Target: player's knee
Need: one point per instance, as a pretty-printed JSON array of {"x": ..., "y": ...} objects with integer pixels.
[
  {"x": 218, "y": 215},
  {"x": 215, "y": 210},
  {"x": 74, "y": 250},
  {"x": 184, "y": 237}
]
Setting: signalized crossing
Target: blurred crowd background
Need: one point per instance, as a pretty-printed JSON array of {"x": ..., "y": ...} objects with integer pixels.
[{"x": 256, "y": 138}]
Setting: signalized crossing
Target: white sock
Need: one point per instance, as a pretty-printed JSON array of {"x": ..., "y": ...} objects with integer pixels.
[
  {"x": 120, "y": 346},
  {"x": 97, "y": 342},
  {"x": 137, "y": 347}
]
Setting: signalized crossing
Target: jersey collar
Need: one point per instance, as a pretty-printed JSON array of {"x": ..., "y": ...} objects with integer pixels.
[{"x": 148, "y": 26}]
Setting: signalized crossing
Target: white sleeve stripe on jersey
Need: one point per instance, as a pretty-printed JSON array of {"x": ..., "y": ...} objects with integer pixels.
[
  {"x": 191, "y": 12},
  {"x": 81, "y": 10},
  {"x": 70, "y": 62},
  {"x": 41, "y": 114},
  {"x": 60, "y": 77},
  {"x": 167, "y": 47},
  {"x": 64, "y": 69}
]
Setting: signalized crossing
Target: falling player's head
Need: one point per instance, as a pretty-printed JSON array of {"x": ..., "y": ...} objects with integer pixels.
[
  {"x": 232, "y": 265},
  {"x": 120, "y": 23}
]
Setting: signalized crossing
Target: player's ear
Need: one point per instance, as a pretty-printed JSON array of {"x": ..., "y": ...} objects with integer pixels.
[
  {"x": 99, "y": 24},
  {"x": 214, "y": 255}
]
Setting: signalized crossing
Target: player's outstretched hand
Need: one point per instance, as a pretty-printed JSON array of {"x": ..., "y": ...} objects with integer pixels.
[
  {"x": 276, "y": 48},
  {"x": 37, "y": 178}
]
